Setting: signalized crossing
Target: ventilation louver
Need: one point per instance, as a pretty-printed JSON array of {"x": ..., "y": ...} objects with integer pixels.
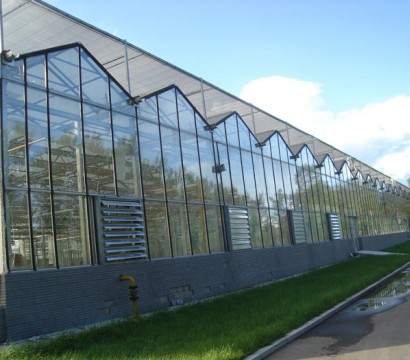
[
  {"x": 122, "y": 229},
  {"x": 297, "y": 224},
  {"x": 334, "y": 226},
  {"x": 237, "y": 227}
]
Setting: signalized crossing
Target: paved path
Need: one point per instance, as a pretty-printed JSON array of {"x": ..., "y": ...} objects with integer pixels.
[{"x": 356, "y": 335}]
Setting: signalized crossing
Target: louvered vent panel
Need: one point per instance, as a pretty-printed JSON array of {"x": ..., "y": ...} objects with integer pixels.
[
  {"x": 334, "y": 226},
  {"x": 122, "y": 229},
  {"x": 237, "y": 220},
  {"x": 297, "y": 222}
]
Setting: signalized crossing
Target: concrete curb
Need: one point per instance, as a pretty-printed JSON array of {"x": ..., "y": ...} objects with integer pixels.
[{"x": 293, "y": 335}]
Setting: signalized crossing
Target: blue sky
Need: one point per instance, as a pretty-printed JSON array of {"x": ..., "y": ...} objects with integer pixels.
[{"x": 338, "y": 69}]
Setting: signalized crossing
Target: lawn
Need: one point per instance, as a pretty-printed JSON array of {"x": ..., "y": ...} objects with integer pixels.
[{"x": 229, "y": 327}]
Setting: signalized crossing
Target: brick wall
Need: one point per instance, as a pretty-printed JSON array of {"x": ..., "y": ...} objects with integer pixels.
[{"x": 46, "y": 301}]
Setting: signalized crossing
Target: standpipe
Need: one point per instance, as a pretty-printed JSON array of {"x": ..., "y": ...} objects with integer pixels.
[{"x": 133, "y": 293}]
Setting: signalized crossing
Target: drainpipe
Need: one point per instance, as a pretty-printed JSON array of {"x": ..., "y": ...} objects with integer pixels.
[{"x": 133, "y": 294}]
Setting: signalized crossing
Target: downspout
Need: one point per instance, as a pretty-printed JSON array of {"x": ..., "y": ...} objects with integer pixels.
[{"x": 133, "y": 294}]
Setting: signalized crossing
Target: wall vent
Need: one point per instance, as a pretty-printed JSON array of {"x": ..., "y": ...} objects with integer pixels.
[
  {"x": 237, "y": 228},
  {"x": 121, "y": 229},
  {"x": 334, "y": 226},
  {"x": 297, "y": 225}
]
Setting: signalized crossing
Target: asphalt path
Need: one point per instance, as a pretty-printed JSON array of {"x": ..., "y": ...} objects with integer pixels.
[{"x": 380, "y": 331}]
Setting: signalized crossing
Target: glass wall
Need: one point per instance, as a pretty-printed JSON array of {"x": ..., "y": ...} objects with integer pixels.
[{"x": 70, "y": 133}]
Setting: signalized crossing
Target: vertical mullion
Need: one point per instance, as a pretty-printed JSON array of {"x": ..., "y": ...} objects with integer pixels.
[
  {"x": 183, "y": 171},
  {"x": 163, "y": 177},
  {"x": 33, "y": 248},
  {"x": 50, "y": 167}
]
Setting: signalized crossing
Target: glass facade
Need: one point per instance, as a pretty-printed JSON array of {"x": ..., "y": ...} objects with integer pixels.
[{"x": 71, "y": 134}]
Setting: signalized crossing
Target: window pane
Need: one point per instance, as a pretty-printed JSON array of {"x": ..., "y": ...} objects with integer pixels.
[
  {"x": 36, "y": 71},
  {"x": 63, "y": 72},
  {"x": 192, "y": 173},
  {"x": 179, "y": 229},
  {"x": 249, "y": 178},
  {"x": 255, "y": 228},
  {"x": 66, "y": 144},
  {"x": 94, "y": 81},
  {"x": 13, "y": 70},
  {"x": 157, "y": 229},
  {"x": 280, "y": 192},
  {"x": 207, "y": 160},
  {"x": 71, "y": 230},
  {"x": 38, "y": 139},
  {"x": 232, "y": 130},
  {"x": 275, "y": 225},
  {"x": 260, "y": 180},
  {"x": 14, "y": 136},
  {"x": 225, "y": 176},
  {"x": 238, "y": 188},
  {"x": 98, "y": 150},
  {"x": 244, "y": 135},
  {"x": 185, "y": 114},
  {"x": 266, "y": 227},
  {"x": 197, "y": 226},
  {"x": 167, "y": 108},
  {"x": 215, "y": 233},
  {"x": 119, "y": 100},
  {"x": 284, "y": 224},
  {"x": 172, "y": 163},
  {"x": 147, "y": 110},
  {"x": 42, "y": 230},
  {"x": 18, "y": 230},
  {"x": 126, "y": 155},
  {"x": 151, "y": 163}
]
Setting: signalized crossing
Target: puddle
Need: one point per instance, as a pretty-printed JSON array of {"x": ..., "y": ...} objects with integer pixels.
[{"x": 388, "y": 295}]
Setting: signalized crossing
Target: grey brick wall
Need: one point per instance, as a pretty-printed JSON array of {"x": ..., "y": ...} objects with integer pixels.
[
  {"x": 46, "y": 301},
  {"x": 379, "y": 242}
]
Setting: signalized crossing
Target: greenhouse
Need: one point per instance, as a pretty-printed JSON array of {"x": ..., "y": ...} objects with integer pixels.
[{"x": 115, "y": 162}]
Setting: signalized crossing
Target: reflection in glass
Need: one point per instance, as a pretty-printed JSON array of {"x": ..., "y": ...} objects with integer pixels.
[
  {"x": 237, "y": 174},
  {"x": 249, "y": 177},
  {"x": 167, "y": 108},
  {"x": 63, "y": 72},
  {"x": 255, "y": 227},
  {"x": 179, "y": 229},
  {"x": 18, "y": 230},
  {"x": 37, "y": 127},
  {"x": 126, "y": 155},
  {"x": 215, "y": 233},
  {"x": 172, "y": 163},
  {"x": 98, "y": 150},
  {"x": 36, "y": 71},
  {"x": 14, "y": 135},
  {"x": 157, "y": 229},
  {"x": 192, "y": 172},
  {"x": 72, "y": 234},
  {"x": 207, "y": 160},
  {"x": 151, "y": 161},
  {"x": 42, "y": 231},
  {"x": 231, "y": 127},
  {"x": 275, "y": 225},
  {"x": 197, "y": 227},
  {"x": 120, "y": 99},
  {"x": 148, "y": 110},
  {"x": 284, "y": 225},
  {"x": 225, "y": 177},
  {"x": 94, "y": 81},
  {"x": 266, "y": 227},
  {"x": 66, "y": 144},
  {"x": 185, "y": 115}
]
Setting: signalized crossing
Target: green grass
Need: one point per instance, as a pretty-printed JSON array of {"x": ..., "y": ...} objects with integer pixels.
[{"x": 229, "y": 327}]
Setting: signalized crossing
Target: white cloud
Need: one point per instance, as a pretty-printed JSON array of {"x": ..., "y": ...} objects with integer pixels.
[{"x": 377, "y": 134}]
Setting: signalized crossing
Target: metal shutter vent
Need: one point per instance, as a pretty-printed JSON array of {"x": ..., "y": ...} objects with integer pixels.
[
  {"x": 297, "y": 225},
  {"x": 237, "y": 227},
  {"x": 122, "y": 229},
  {"x": 334, "y": 226}
]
